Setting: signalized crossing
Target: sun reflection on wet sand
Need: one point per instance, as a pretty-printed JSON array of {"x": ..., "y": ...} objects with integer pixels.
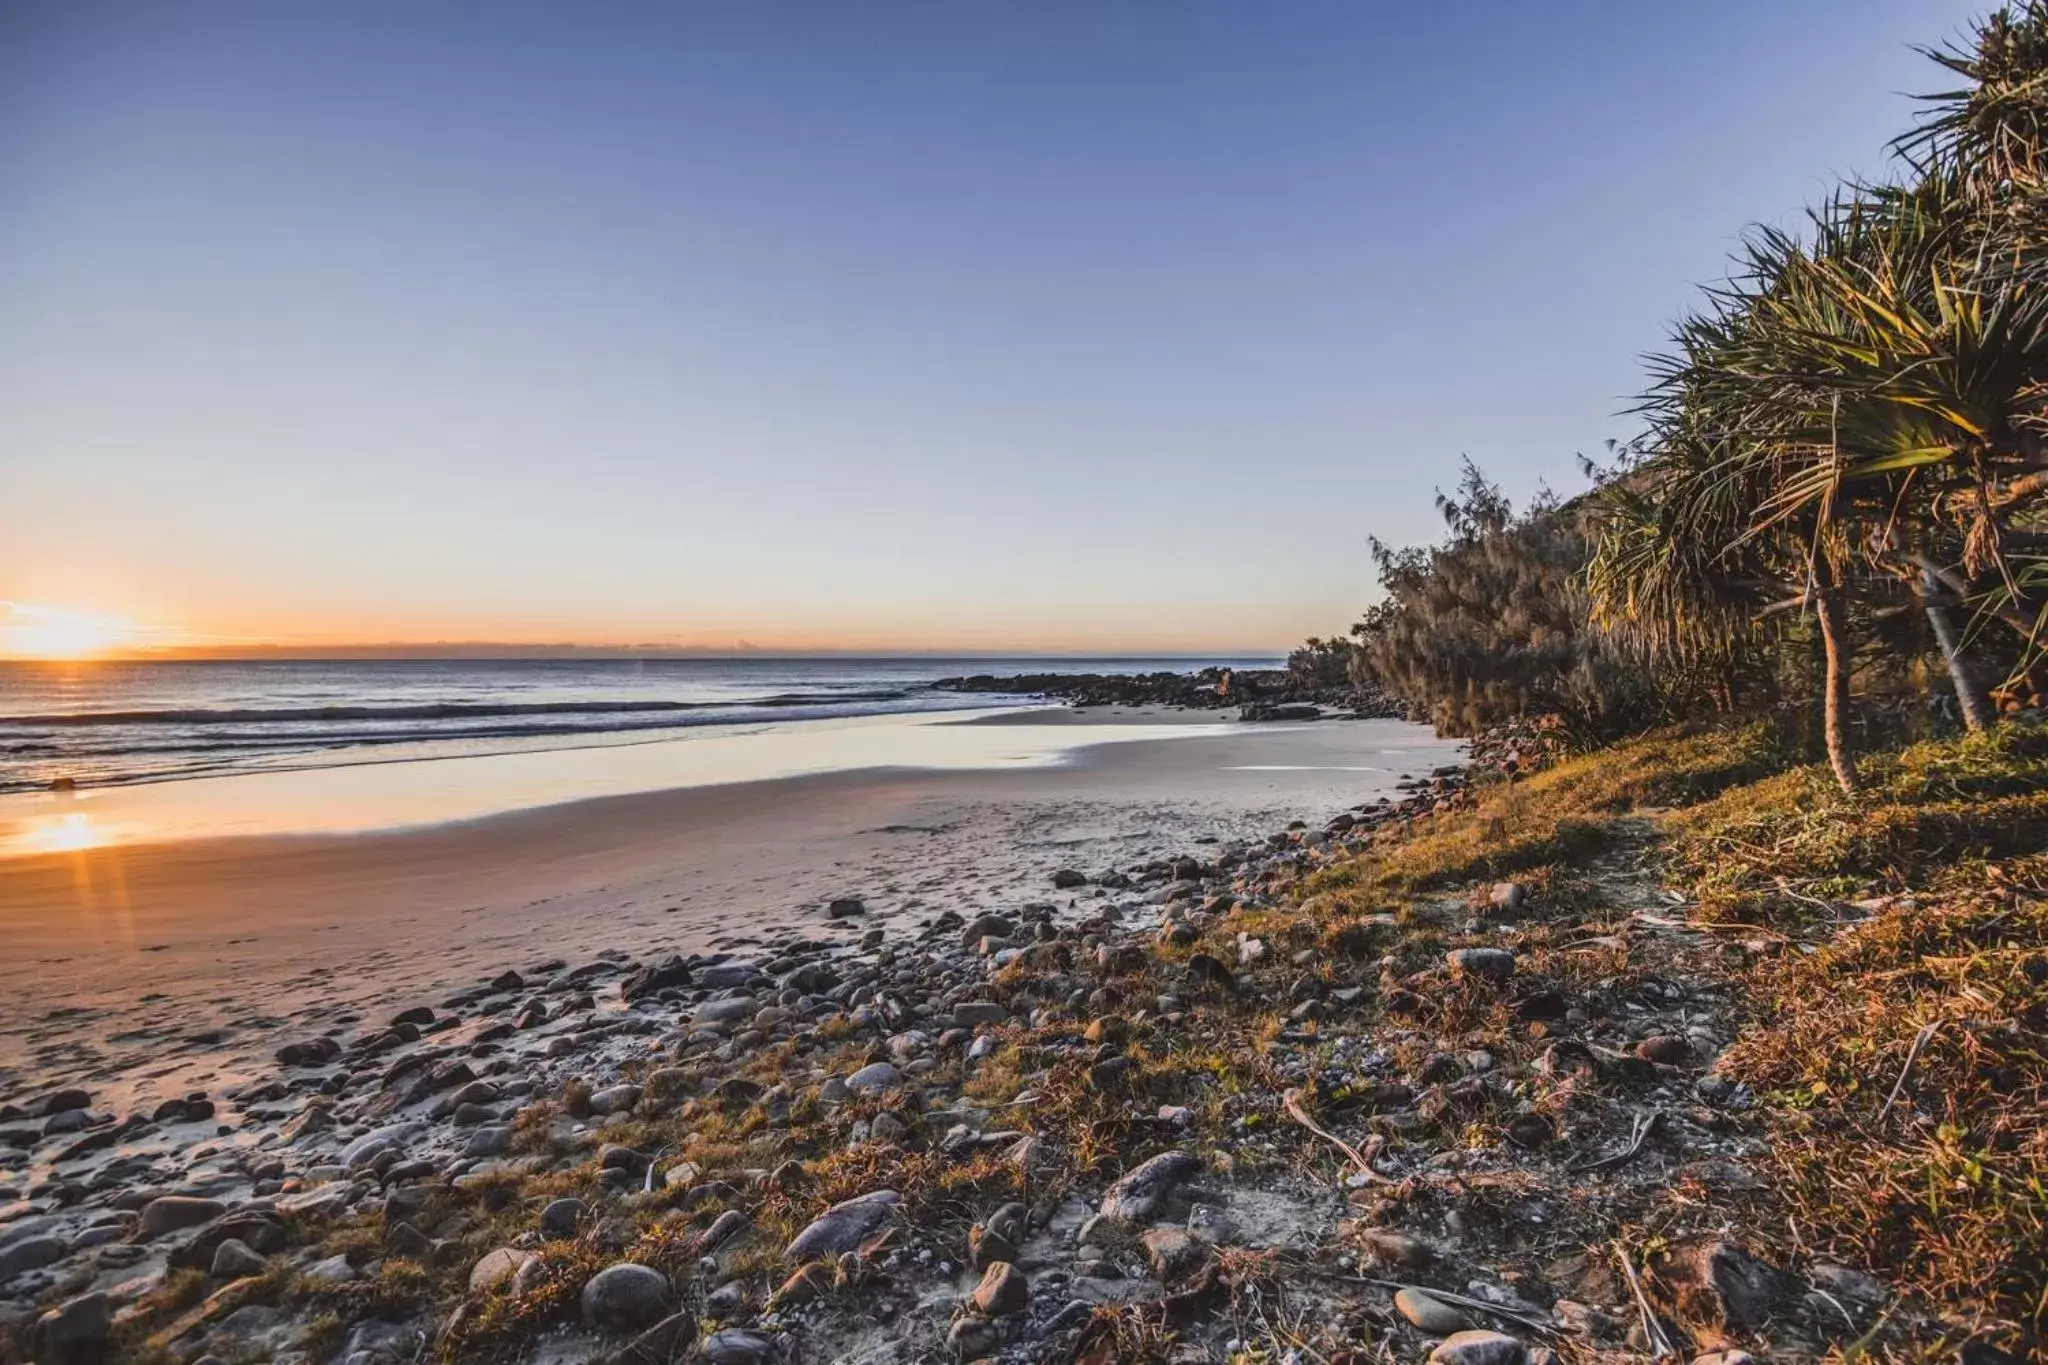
[
  {"x": 436, "y": 790},
  {"x": 72, "y": 832}
]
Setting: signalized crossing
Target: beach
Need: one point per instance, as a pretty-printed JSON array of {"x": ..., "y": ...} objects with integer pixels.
[{"x": 156, "y": 968}]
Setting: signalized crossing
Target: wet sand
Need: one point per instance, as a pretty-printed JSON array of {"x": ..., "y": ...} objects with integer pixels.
[{"x": 147, "y": 970}]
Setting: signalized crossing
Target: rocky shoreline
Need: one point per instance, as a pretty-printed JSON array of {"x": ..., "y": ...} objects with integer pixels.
[
  {"x": 1259, "y": 694},
  {"x": 1171, "y": 1111}
]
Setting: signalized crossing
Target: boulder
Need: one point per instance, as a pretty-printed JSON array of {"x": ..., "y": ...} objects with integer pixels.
[
  {"x": 844, "y": 1226},
  {"x": 626, "y": 1298},
  {"x": 173, "y": 1212}
]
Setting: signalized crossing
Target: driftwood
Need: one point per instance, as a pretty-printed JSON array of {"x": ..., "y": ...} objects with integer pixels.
[{"x": 1291, "y": 1102}]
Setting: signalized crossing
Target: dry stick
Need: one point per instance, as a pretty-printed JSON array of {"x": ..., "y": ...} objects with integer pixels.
[
  {"x": 1912, "y": 1055},
  {"x": 1653, "y": 1330},
  {"x": 1640, "y": 1128},
  {"x": 1291, "y": 1102}
]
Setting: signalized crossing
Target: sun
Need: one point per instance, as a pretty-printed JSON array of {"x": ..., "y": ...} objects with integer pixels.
[{"x": 30, "y": 630}]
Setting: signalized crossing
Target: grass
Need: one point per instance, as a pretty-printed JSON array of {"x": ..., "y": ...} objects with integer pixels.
[{"x": 1944, "y": 1194}]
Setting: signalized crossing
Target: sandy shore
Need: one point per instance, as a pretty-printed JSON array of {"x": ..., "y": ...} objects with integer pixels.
[{"x": 148, "y": 971}]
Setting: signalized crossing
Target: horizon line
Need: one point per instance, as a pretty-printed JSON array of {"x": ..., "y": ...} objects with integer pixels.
[{"x": 487, "y": 650}]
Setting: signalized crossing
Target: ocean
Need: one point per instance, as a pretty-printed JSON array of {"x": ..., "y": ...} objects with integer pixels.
[{"x": 113, "y": 724}]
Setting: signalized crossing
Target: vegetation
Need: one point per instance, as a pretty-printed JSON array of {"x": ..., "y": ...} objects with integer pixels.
[
  {"x": 1829, "y": 548},
  {"x": 1843, "y": 481}
]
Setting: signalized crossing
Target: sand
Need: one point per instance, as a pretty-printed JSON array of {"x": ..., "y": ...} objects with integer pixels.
[{"x": 146, "y": 971}]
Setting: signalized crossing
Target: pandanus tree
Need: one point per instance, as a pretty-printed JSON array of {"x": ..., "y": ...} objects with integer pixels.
[{"x": 1862, "y": 409}]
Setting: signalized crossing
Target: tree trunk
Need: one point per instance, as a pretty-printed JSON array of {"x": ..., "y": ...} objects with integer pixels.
[
  {"x": 1833, "y": 614},
  {"x": 1970, "y": 698}
]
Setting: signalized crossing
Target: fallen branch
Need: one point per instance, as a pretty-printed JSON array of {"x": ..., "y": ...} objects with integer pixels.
[
  {"x": 1640, "y": 1128},
  {"x": 1291, "y": 1102},
  {"x": 1912, "y": 1056},
  {"x": 1653, "y": 1330}
]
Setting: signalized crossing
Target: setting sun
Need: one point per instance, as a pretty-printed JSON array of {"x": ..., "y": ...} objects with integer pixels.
[{"x": 31, "y": 630}]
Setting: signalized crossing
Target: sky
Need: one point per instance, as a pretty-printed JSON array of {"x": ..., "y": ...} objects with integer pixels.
[{"x": 1063, "y": 326}]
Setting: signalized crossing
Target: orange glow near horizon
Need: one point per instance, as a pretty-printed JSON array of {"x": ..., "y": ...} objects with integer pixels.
[{"x": 34, "y": 630}]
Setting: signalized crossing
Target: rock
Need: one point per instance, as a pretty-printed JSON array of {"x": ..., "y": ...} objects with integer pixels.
[
  {"x": 972, "y": 1338},
  {"x": 408, "y": 1243},
  {"x": 1133, "y": 1198},
  {"x": 233, "y": 1259},
  {"x": 986, "y": 1247},
  {"x": 1482, "y": 964},
  {"x": 844, "y": 1226},
  {"x": 969, "y": 1013},
  {"x": 175, "y": 1211},
  {"x": 332, "y": 1270},
  {"x": 1508, "y": 898},
  {"x": 493, "y": 1139},
  {"x": 986, "y": 926},
  {"x": 64, "y": 1101},
  {"x": 28, "y": 1253},
  {"x": 626, "y": 1298},
  {"x": 1665, "y": 1050},
  {"x": 617, "y": 1099},
  {"x": 735, "y": 1346},
  {"x": 723, "y": 1229},
  {"x": 1003, "y": 1290},
  {"x": 1433, "y": 1316},
  {"x": 497, "y": 1268},
  {"x": 874, "y": 1079},
  {"x": 1478, "y": 1348},
  {"x": 508, "y": 981},
  {"x": 730, "y": 1010},
  {"x": 75, "y": 1330},
  {"x": 1848, "y": 1283},
  {"x": 644, "y": 981},
  {"x": 563, "y": 1218},
  {"x": 846, "y": 907},
  {"x": 1066, "y": 879},
  {"x": 1174, "y": 1252},
  {"x": 312, "y": 1052},
  {"x": 1719, "y": 1284}
]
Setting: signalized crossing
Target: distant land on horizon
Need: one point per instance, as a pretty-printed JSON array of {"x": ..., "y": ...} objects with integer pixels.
[{"x": 457, "y": 651}]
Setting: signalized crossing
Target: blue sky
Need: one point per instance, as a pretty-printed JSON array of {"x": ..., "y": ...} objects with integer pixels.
[{"x": 1102, "y": 325}]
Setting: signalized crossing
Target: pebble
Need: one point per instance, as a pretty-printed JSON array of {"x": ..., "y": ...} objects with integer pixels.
[
  {"x": 1135, "y": 1196},
  {"x": 233, "y": 1259},
  {"x": 496, "y": 1268},
  {"x": 1430, "y": 1315},
  {"x": 1478, "y": 1348},
  {"x": 1485, "y": 964},
  {"x": 1003, "y": 1290}
]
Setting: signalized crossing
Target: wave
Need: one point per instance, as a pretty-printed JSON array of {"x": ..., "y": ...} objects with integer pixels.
[{"x": 303, "y": 715}]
